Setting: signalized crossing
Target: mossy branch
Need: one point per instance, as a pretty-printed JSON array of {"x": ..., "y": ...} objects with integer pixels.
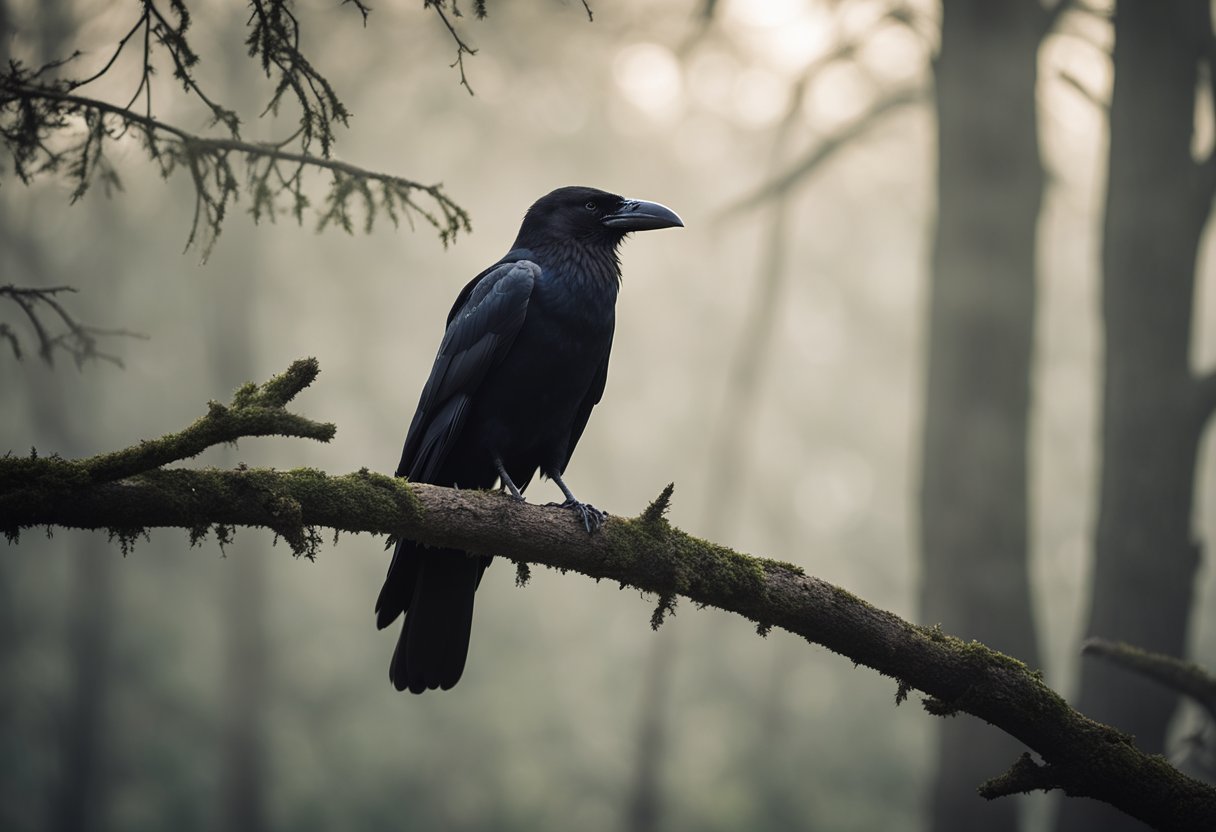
[
  {"x": 1078, "y": 755},
  {"x": 1023, "y": 777},
  {"x": 254, "y": 411}
]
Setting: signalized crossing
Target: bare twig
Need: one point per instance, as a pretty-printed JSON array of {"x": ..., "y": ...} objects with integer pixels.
[
  {"x": 1086, "y": 93},
  {"x": 78, "y": 340},
  {"x": 363, "y": 8},
  {"x": 462, "y": 48},
  {"x": 891, "y": 102},
  {"x": 441, "y": 8}
]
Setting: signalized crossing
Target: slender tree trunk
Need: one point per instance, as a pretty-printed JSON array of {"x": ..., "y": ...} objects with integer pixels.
[
  {"x": 728, "y": 471},
  {"x": 247, "y": 651},
  {"x": 79, "y": 798},
  {"x": 973, "y": 499},
  {"x": 78, "y": 802},
  {"x": 1157, "y": 205},
  {"x": 231, "y": 292}
]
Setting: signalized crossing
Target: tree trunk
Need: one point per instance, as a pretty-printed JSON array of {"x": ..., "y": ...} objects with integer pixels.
[
  {"x": 973, "y": 507},
  {"x": 231, "y": 290},
  {"x": 80, "y": 796},
  {"x": 1145, "y": 559}
]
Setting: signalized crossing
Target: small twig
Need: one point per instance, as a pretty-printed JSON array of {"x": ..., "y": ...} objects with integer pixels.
[
  {"x": 888, "y": 104},
  {"x": 462, "y": 48},
  {"x": 1089, "y": 95},
  {"x": 1023, "y": 777},
  {"x": 121, "y": 45},
  {"x": 78, "y": 340},
  {"x": 363, "y": 8}
]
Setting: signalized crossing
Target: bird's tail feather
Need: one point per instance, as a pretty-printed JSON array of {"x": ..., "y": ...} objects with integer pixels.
[
  {"x": 438, "y": 618},
  {"x": 398, "y": 589}
]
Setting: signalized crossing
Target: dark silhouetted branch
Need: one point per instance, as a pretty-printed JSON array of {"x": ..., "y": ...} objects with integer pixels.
[
  {"x": 1089, "y": 95},
  {"x": 49, "y": 127},
  {"x": 271, "y": 171},
  {"x": 824, "y": 150},
  {"x": 1023, "y": 777},
  {"x": 1085, "y": 758},
  {"x": 442, "y": 7},
  {"x": 1184, "y": 677},
  {"x": 76, "y": 339}
]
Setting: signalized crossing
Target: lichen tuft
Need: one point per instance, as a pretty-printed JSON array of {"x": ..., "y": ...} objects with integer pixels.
[
  {"x": 665, "y": 607},
  {"x": 523, "y": 573},
  {"x": 655, "y": 513}
]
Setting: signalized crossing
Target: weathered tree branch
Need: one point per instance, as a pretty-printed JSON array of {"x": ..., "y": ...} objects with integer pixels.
[
  {"x": 1079, "y": 756},
  {"x": 1023, "y": 777},
  {"x": 1175, "y": 674},
  {"x": 254, "y": 411}
]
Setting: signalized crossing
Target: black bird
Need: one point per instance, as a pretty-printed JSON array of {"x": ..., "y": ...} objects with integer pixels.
[{"x": 522, "y": 363}]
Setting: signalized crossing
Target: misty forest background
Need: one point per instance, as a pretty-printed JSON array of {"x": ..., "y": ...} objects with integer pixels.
[{"x": 885, "y": 368}]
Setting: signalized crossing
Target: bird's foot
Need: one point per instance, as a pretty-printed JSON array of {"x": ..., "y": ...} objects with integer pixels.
[
  {"x": 591, "y": 516},
  {"x": 515, "y": 496}
]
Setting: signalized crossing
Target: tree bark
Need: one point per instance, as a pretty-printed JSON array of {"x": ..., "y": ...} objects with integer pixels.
[
  {"x": 1157, "y": 205},
  {"x": 1080, "y": 756},
  {"x": 973, "y": 497}
]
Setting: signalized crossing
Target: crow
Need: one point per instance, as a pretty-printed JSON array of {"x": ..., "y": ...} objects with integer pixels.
[{"x": 523, "y": 361}]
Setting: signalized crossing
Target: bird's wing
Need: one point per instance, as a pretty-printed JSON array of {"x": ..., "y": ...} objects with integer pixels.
[
  {"x": 481, "y": 328},
  {"x": 594, "y": 393}
]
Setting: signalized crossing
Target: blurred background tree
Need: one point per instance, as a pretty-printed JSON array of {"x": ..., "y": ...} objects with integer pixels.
[
  {"x": 974, "y": 478},
  {"x": 672, "y": 104},
  {"x": 1155, "y": 408}
]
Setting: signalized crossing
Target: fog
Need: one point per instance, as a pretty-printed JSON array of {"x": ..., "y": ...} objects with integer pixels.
[{"x": 811, "y": 455}]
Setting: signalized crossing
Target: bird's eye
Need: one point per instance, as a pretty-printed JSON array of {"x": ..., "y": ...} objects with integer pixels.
[{"x": 590, "y": 206}]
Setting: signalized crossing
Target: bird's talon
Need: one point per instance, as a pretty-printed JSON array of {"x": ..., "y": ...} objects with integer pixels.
[{"x": 591, "y": 516}]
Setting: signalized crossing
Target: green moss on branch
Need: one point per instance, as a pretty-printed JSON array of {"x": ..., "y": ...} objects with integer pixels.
[{"x": 1081, "y": 756}]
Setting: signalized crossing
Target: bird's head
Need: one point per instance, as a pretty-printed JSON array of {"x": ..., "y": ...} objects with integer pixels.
[{"x": 591, "y": 216}]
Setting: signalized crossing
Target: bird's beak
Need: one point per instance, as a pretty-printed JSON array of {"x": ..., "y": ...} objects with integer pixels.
[{"x": 639, "y": 215}]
